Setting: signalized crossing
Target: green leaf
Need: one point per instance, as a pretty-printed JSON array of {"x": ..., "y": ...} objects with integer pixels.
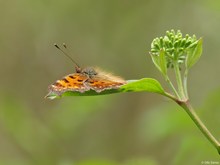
[
  {"x": 156, "y": 60},
  {"x": 145, "y": 84},
  {"x": 160, "y": 62},
  {"x": 194, "y": 53}
]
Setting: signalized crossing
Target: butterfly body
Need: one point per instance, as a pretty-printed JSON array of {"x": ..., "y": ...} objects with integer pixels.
[{"x": 86, "y": 79}]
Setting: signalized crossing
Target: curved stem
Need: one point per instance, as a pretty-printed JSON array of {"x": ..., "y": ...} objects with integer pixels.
[
  {"x": 170, "y": 96},
  {"x": 190, "y": 111}
]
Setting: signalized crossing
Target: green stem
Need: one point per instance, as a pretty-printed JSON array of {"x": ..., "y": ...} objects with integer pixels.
[
  {"x": 172, "y": 86},
  {"x": 170, "y": 96},
  {"x": 185, "y": 83},
  {"x": 189, "y": 109},
  {"x": 179, "y": 81}
]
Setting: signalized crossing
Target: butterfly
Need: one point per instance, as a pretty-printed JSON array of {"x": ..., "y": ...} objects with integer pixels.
[{"x": 89, "y": 78}]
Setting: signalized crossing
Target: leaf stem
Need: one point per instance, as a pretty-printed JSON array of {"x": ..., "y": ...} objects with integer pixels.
[
  {"x": 190, "y": 111},
  {"x": 172, "y": 86},
  {"x": 170, "y": 96}
]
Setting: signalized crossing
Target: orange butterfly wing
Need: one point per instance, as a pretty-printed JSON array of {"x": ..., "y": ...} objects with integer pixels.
[
  {"x": 100, "y": 85},
  {"x": 72, "y": 82},
  {"x": 104, "y": 80}
]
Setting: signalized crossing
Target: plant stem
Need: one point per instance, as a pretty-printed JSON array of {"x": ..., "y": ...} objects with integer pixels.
[
  {"x": 170, "y": 96},
  {"x": 185, "y": 83},
  {"x": 172, "y": 86},
  {"x": 179, "y": 81},
  {"x": 189, "y": 109}
]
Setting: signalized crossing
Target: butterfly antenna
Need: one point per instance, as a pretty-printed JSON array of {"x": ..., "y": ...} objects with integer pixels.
[{"x": 66, "y": 54}]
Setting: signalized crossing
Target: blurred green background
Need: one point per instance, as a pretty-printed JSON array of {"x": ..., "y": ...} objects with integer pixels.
[{"x": 120, "y": 129}]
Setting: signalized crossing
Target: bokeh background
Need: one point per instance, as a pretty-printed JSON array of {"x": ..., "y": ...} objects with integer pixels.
[{"x": 119, "y": 129}]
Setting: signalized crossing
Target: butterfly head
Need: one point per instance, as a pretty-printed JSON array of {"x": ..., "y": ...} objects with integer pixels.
[{"x": 78, "y": 69}]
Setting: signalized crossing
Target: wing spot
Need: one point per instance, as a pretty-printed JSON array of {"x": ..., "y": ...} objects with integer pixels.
[
  {"x": 65, "y": 80},
  {"x": 72, "y": 77},
  {"x": 80, "y": 80},
  {"x": 57, "y": 84}
]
